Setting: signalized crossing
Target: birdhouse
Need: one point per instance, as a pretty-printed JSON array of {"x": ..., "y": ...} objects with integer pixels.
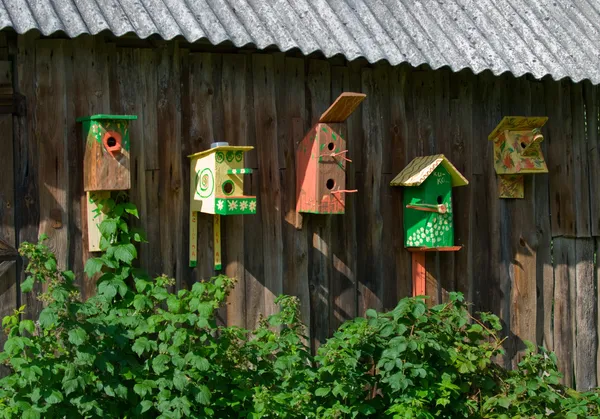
[
  {"x": 106, "y": 159},
  {"x": 517, "y": 150},
  {"x": 217, "y": 187},
  {"x": 105, "y": 164},
  {"x": 321, "y": 159},
  {"x": 427, "y": 201},
  {"x": 428, "y": 212}
]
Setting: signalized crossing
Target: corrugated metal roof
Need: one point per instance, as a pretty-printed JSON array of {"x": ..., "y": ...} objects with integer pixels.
[{"x": 556, "y": 37}]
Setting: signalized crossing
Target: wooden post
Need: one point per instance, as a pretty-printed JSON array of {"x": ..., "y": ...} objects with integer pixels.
[
  {"x": 418, "y": 273},
  {"x": 193, "y": 238},
  {"x": 217, "y": 237}
]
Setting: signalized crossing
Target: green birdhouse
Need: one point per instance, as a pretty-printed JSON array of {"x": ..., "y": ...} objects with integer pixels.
[{"x": 427, "y": 201}]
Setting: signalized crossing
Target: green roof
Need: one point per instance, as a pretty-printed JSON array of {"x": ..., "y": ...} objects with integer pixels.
[{"x": 101, "y": 116}]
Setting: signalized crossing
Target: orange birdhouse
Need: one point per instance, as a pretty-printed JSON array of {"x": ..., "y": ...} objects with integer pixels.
[
  {"x": 321, "y": 159},
  {"x": 517, "y": 150}
]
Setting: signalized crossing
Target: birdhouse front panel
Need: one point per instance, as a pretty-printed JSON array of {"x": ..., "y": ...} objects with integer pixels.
[
  {"x": 106, "y": 159},
  {"x": 321, "y": 166},
  {"x": 217, "y": 182},
  {"x": 422, "y": 226}
]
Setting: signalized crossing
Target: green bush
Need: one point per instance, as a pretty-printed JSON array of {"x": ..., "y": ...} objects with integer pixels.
[{"x": 135, "y": 349}]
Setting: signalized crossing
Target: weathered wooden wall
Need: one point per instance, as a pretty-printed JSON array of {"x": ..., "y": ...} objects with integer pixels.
[{"x": 530, "y": 261}]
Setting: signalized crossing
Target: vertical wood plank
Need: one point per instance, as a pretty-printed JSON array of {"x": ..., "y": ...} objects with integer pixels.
[
  {"x": 319, "y": 226},
  {"x": 233, "y": 91},
  {"x": 170, "y": 161},
  {"x": 580, "y": 167},
  {"x": 585, "y": 306},
  {"x": 27, "y": 152},
  {"x": 295, "y": 242},
  {"x": 564, "y": 277},
  {"x": 560, "y": 158},
  {"x": 399, "y": 139},
  {"x": 270, "y": 188},
  {"x": 370, "y": 269},
  {"x": 199, "y": 133},
  {"x": 590, "y": 95},
  {"x": 50, "y": 115}
]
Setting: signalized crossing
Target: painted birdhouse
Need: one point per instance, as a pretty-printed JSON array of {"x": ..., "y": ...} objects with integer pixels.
[
  {"x": 106, "y": 159},
  {"x": 517, "y": 150},
  {"x": 217, "y": 187},
  {"x": 427, "y": 201},
  {"x": 321, "y": 158},
  {"x": 105, "y": 165}
]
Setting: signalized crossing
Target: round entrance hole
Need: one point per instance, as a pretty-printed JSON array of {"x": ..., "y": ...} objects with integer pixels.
[
  {"x": 330, "y": 146},
  {"x": 228, "y": 187},
  {"x": 111, "y": 141},
  {"x": 523, "y": 145},
  {"x": 330, "y": 184},
  {"x": 440, "y": 199}
]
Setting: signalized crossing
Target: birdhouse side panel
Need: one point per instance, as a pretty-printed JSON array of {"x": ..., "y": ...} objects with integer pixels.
[
  {"x": 106, "y": 158},
  {"x": 307, "y": 173},
  {"x": 229, "y": 184},
  {"x": 332, "y": 159},
  {"x": 425, "y": 228},
  {"x": 203, "y": 184},
  {"x": 519, "y": 152}
]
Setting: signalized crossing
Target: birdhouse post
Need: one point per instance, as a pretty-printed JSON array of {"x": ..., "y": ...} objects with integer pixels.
[
  {"x": 428, "y": 211},
  {"x": 217, "y": 188},
  {"x": 105, "y": 164},
  {"x": 321, "y": 159},
  {"x": 517, "y": 150}
]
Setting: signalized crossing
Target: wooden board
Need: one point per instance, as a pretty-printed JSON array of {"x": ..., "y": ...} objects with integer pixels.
[
  {"x": 590, "y": 96},
  {"x": 586, "y": 316},
  {"x": 343, "y": 107}
]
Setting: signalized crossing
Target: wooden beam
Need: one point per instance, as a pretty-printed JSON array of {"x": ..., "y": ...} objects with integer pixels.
[
  {"x": 343, "y": 106},
  {"x": 419, "y": 273}
]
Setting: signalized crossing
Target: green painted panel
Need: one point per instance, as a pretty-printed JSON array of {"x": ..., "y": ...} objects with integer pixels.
[
  {"x": 235, "y": 206},
  {"x": 429, "y": 229},
  {"x": 105, "y": 116},
  {"x": 94, "y": 128}
]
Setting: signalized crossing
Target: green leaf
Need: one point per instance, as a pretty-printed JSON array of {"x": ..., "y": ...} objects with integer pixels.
[
  {"x": 27, "y": 325},
  {"x": 173, "y": 303},
  {"x": 371, "y": 313},
  {"x": 160, "y": 364},
  {"x": 203, "y": 395},
  {"x": 108, "y": 227},
  {"x": 180, "y": 380},
  {"x": 54, "y": 397},
  {"x": 50, "y": 264},
  {"x": 31, "y": 413},
  {"x": 93, "y": 266},
  {"x": 125, "y": 253},
  {"x": 322, "y": 392},
  {"x": 140, "y": 345},
  {"x": 146, "y": 405},
  {"x": 77, "y": 336},
  {"x": 48, "y": 317},
  {"x": 27, "y": 285},
  {"x": 131, "y": 209}
]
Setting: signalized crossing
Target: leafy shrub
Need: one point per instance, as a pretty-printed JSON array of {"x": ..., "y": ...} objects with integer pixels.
[{"x": 135, "y": 349}]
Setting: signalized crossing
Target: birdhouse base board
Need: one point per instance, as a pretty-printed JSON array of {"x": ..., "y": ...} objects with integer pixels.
[
  {"x": 434, "y": 249},
  {"x": 511, "y": 186},
  {"x": 235, "y": 206}
]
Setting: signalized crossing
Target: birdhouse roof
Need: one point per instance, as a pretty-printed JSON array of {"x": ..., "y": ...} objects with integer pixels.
[
  {"x": 421, "y": 167},
  {"x": 343, "y": 106},
  {"x": 221, "y": 148},
  {"x": 518, "y": 123},
  {"x": 101, "y": 116}
]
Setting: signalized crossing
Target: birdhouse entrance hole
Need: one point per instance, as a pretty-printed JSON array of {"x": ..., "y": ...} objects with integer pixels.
[
  {"x": 440, "y": 199},
  {"x": 331, "y": 146},
  {"x": 330, "y": 184},
  {"x": 111, "y": 142},
  {"x": 228, "y": 187}
]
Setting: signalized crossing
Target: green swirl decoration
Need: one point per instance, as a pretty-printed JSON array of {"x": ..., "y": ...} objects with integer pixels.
[
  {"x": 229, "y": 156},
  {"x": 219, "y": 157},
  {"x": 205, "y": 183}
]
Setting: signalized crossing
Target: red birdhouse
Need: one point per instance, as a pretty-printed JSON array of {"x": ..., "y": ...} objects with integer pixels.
[{"x": 321, "y": 159}]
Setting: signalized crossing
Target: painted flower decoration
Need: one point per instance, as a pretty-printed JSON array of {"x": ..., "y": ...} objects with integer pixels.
[
  {"x": 232, "y": 205},
  {"x": 253, "y": 206},
  {"x": 243, "y": 205},
  {"x": 220, "y": 204}
]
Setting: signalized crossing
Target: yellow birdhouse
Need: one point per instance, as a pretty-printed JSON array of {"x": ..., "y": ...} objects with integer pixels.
[
  {"x": 517, "y": 151},
  {"x": 217, "y": 187}
]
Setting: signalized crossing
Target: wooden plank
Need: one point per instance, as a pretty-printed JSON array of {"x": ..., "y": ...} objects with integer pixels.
[
  {"x": 233, "y": 91},
  {"x": 198, "y": 134},
  {"x": 26, "y": 166},
  {"x": 580, "y": 167},
  {"x": 544, "y": 269},
  {"x": 170, "y": 160},
  {"x": 319, "y": 227},
  {"x": 590, "y": 95},
  {"x": 419, "y": 271},
  {"x": 461, "y": 155},
  {"x": 50, "y": 115},
  {"x": 270, "y": 188},
  {"x": 342, "y": 107},
  {"x": 254, "y": 259},
  {"x": 88, "y": 94},
  {"x": 399, "y": 140},
  {"x": 149, "y": 179},
  {"x": 564, "y": 335},
  {"x": 343, "y": 233},
  {"x": 295, "y": 242},
  {"x": 8, "y": 238},
  {"x": 586, "y": 316},
  {"x": 559, "y": 135}
]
